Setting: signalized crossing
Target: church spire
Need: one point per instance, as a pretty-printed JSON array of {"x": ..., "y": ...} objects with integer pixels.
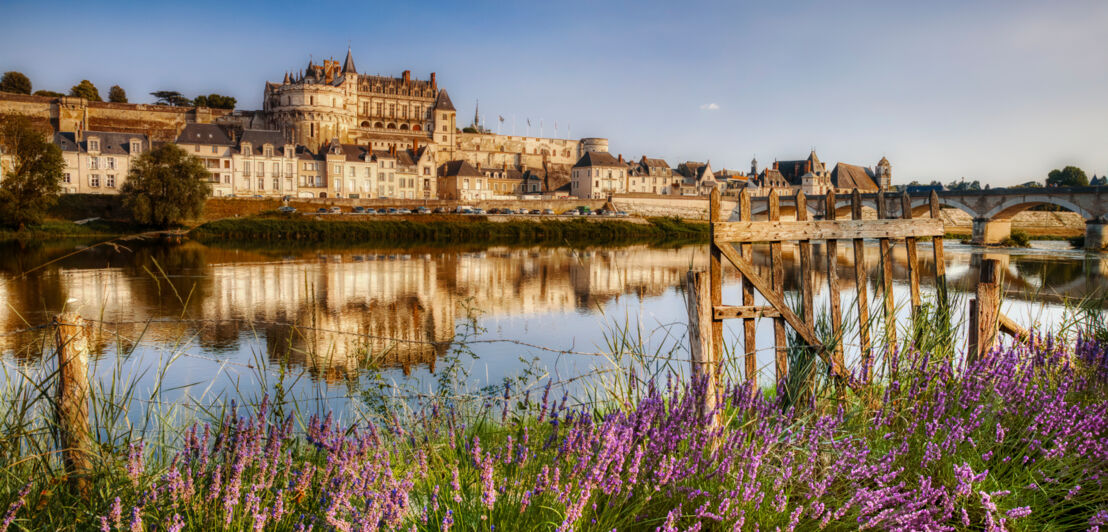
[
  {"x": 348, "y": 65},
  {"x": 477, "y": 113}
]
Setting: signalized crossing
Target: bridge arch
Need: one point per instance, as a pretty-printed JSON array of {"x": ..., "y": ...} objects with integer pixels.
[{"x": 1015, "y": 205}]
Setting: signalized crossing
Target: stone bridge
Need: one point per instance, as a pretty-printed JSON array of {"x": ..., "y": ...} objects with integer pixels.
[{"x": 992, "y": 210}]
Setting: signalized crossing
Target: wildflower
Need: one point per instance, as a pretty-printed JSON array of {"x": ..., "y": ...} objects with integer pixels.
[
  {"x": 14, "y": 507},
  {"x": 448, "y": 520},
  {"x": 1016, "y": 513}
]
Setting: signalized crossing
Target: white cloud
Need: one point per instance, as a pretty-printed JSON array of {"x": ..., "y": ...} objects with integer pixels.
[{"x": 709, "y": 107}]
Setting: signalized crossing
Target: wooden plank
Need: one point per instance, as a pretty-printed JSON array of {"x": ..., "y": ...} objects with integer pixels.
[
  {"x": 1011, "y": 328},
  {"x": 715, "y": 271},
  {"x": 971, "y": 337},
  {"x": 71, "y": 403},
  {"x": 807, "y": 291},
  {"x": 767, "y": 231},
  {"x": 913, "y": 258},
  {"x": 726, "y": 312},
  {"x": 940, "y": 259},
  {"x": 833, "y": 284},
  {"x": 806, "y": 333},
  {"x": 777, "y": 277},
  {"x": 698, "y": 293},
  {"x": 749, "y": 340},
  {"x": 887, "y": 280},
  {"x": 860, "y": 282},
  {"x": 988, "y": 305}
]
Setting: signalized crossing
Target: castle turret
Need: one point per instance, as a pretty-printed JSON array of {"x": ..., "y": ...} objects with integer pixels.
[{"x": 884, "y": 173}]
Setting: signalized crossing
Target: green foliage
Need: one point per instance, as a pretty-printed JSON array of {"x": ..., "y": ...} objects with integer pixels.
[
  {"x": 215, "y": 101},
  {"x": 32, "y": 180},
  {"x": 1070, "y": 176},
  {"x": 454, "y": 230},
  {"x": 1017, "y": 239},
  {"x": 85, "y": 89},
  {"x": 51, "y": 94},
  {"x": 964, "y": 185},
  {"x": 116, "y": 94},
  {"x": 165, "y": 187},
  {"x": 172, "y": 98},
  {"x": 16, "y": 82}
]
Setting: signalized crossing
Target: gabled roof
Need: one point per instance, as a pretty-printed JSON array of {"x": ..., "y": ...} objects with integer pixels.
[
  {"x": 849, "y": 176},
  {"x": 597, "y": 158},
  {"x": 654, "y": 163},
  {"x": 442, "y": 102},
  {"x": 458, "y": 169},
  {"x": 501, "y": 173},
  {"x": 207, "y": 134}
]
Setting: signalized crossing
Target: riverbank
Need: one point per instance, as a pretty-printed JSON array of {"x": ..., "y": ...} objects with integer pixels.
[{"x": 453, "y": 229}]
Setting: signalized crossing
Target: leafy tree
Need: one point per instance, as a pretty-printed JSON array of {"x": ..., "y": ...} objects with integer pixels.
[
  {"x": 85, "y": 89},
  {"x": 964, "y": 185},
  {"x": 52, "y": 94},
  {"x": 1070, "y": 176},
  {"x": 172, "y": 98},
  {"x": 215, "y": 101},
  {"x": 116, "y": 94},
  {"x": 16, "y": 82},
  {"x": 166, "y": 186},
  {"x": 32, "y": 180}
]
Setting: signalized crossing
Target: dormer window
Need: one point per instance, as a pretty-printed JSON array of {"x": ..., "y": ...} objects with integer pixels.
[
  {"x": 93, "y": 144},
  {"x": 246, "y": 149},
  {"x": 136, "y": 147},
  {"x": 268, "y": 150}
]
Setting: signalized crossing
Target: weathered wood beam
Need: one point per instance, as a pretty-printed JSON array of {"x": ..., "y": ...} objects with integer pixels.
[
  {"x": 727, "y": 312},
  {"x": 766, "y": 231}
]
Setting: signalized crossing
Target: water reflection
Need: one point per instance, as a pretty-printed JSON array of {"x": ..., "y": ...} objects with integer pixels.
[{"x": 339, "y": 312}]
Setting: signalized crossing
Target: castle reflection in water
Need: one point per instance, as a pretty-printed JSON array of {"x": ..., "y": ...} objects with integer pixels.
[{"x": 337, "y": 312}]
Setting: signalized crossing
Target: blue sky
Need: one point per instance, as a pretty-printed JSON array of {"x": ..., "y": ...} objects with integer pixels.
[{"x": 1001, "y": 91}]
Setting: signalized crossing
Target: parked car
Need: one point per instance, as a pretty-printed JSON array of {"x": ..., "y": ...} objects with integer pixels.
[
  {"x": 403, "y": 211},
  {"x": 478, "y": 210},
  {"x": 423, "y": 210},
  {"x": 440, "y": 210},
  {"x": 621, "y": 213},
  {"x": 391, "y": 210},
  {"x": 336, "y": 210},
  {"x": 571, "y": 212},
  {"x": 359, "y": 210},
  {"x": 548, "y": 211},
  {"x": 322, "y": 210},
  {"x": 286, "y": 209}
]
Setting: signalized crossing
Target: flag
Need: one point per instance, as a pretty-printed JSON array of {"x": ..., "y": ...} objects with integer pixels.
[
  {"x": 501, "y": 117},
  {"x": 528, "y": 122}
]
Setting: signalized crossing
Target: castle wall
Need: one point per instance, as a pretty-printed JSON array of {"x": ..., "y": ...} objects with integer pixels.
[{"x": 162, "y": 123}]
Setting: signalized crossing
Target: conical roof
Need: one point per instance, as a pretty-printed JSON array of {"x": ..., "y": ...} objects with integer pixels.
[
  {"x": 348, "y": 65},
  {"x": 443, "y": 103}
]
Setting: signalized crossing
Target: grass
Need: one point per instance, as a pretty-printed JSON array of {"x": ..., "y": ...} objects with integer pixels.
[
  {"x": 454, "y": 230},
  {"x": 55, "y": 229},
  {"x": 1016, "y": 440}
]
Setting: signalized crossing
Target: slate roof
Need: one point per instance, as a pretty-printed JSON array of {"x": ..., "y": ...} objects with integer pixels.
[
  {"x": 501, "y": 173},
  {"x": 597, "y": 158},
  {"x": 348, "y": 65},
  {"x": 258, "y": 138},
  {"x": 111, "y": 143},
  {"x": 458, "y": 169},
  {"x": 443, "y": 103},
  {"x": 654, "y": 163},
  {"x": 207, "y": 134},
  {"x": 849, "y": 176}
]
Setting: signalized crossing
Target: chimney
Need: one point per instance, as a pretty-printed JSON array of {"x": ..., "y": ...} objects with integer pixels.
[
  {"x": 621, "y": 158},
  {"x": 775, "y": 166},
  {"x": 415, "y": 144},
  {"x": 407, "y": 75},
  {"x": 478, "y": 165},
  {"x": 432, "y": 79}
]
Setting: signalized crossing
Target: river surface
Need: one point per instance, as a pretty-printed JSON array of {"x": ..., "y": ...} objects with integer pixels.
[{"x": 210, "y": 323}]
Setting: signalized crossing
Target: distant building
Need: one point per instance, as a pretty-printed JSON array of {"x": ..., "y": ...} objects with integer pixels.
[
  {"x": 97, "y": 162},
  {"x": 652, "y": 176},
  {"x": 597, "y": 175},
  {"x": 214, "y": 147},
  {"x": 699, "y": 180},
  {"x": 265, "y": 165},
  {"x": 459, "y": 180}
]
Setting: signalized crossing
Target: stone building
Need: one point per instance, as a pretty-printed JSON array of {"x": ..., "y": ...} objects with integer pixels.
[
  {"x": 97, "y": 162},
  {"x": 811, "y": 176},
  {"x": 213, "y": 146},
  {"x": 265, "y": 165},
  {"x": 598, "y": 175},
  {"x": 459, "y": 180},
  {"x": 698, "y": 178},
  {"x": 652, "y": 176},
  {"x": 504, "y": 181}
]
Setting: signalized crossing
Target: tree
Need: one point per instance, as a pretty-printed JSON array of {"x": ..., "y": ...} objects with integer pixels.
[
  {"x": 85, "y": 89},
  {"x": 1070, "y": 176},
  {"x": 963, "y": 185},
  {"x": 116, "y": 94},
  {"x": 166, "y": 186},
  {"x": 16, "y": 82},
  {"x": 51, "y": 94},
  {"x": 32, "y": 180},
  {"x": 215, "y": 101},
  {"x": 172, "y": 98}
]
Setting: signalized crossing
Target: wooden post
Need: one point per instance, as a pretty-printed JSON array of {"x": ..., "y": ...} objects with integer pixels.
[
  {"x": 715, "y": 270},
  {"x": 698, "y": 293},
  {"x": 777, "y": 273},
  {"x": 940, "y": 261},
  {"x": 71, "y": 408},
  {"x": 887, "y": 281},
  {"x": 913, "y": 265},
  {"x": 988, "y": 305},
  {"x": 806, "y": 289},
  {"x": 747, "y": 252},
  {"x": 833, "y": 286},
  {"x": 860, "y": 283}
]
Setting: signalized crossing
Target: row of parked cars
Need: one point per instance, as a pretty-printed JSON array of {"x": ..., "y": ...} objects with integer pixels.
[{"x": 578, "y": 211}]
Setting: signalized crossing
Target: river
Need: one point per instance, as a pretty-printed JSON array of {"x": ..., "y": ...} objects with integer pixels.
[{"x": 217, "y": 322}]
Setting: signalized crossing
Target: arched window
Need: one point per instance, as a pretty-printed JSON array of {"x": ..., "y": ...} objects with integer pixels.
[
  {"x": 391, "y": 126},
  {"x": 403, "y": 127},
  {"x": 417, "y": 128},
  {"x": 365, "y": 124},
  {"x": 379, "y": 125}
]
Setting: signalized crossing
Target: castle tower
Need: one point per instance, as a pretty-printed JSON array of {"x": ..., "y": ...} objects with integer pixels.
[
  {"x": 884, "y": 174},
  {"x": 445, "y": 123},
  {"x": 754, "y": 166}
]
